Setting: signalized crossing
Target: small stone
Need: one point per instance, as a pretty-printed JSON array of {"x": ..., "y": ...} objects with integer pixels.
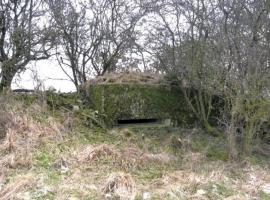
[
  {"x": 64, "y": 169},
  {"x": 113, "y": 132},
  {"x": 44, "y": 191},
  {"x": 214, "y": 188},
  {"x": 107, "y": 196},
  {"x": 200, "y": 192},
  {"x": 146, "y": 195},
  {"x": 76, "y": 108}
]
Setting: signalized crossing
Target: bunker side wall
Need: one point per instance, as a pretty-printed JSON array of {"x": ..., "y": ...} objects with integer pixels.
[{"x": 134, "y": 101}]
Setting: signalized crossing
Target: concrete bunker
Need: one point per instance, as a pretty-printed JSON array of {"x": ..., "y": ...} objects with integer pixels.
[{"x": 138, "y": 98}]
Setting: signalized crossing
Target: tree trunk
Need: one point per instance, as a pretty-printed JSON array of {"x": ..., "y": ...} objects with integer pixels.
[
  {"x": 247, "y": 139},
  {"x": 8, "y": 74},
  {"x": 232, "y": 143},
  {"x": 233, "y": 154}
]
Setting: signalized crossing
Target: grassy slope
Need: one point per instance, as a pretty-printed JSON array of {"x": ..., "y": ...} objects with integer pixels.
[{"x": 187, "y": 164}]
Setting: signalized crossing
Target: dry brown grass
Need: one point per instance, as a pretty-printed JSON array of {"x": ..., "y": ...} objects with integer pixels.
[
  {"x": 132, "y": 157},
  {"x": 162, "y": 158},
  {"x": 2, "y": 176},
  {"x": 186, "y": 183},
  {"x": 196, "y": 175},
  {"x": 125, "y": 158},
  {"x": 193, "y": 160},
  {"x": 5, "y": 118},
  {"x": 25, "y": 129},
  {"x": 183, "y": 180},
  {"x": 236, "y": 197},
  {"x": 91, "y": 153},
  {"x": 11, "y": 190},
  {"x": 23, "y": 133},
  {"x": 129, "y": 77},
  {"x": 119, "y": 185}
]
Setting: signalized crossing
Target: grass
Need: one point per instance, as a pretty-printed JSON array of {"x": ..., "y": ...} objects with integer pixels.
[
  {"x": 217, "y": 153},
  {"x": 197, "y": 162},
  {"x": 264, "y": 196},
  {"x": 259, "y": 160},
  {"x": 44, "y": 159},
  {"x": 217, "y": 190},
  {"x": 144, "y": 175}
]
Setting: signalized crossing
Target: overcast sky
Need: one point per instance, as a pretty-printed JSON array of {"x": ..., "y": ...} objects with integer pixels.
[{"x": 49, "y": 74}]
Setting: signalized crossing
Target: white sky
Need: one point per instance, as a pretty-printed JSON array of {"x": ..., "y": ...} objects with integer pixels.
[{"x": 48, "y": 72}]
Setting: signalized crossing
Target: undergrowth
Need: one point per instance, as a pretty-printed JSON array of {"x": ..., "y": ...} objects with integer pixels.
[{"x": 66, "y": 158}]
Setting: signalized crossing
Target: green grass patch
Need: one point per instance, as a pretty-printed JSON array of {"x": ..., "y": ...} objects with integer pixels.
[
  {"x": 258, "y": 160},
  {"x": 151, "y": 172},
  {"x": 218, "y": 190},
  {"x": 264, "y": 196},
  {"x": 44, "y": 159},
  {"x": 215, "y": 153}
]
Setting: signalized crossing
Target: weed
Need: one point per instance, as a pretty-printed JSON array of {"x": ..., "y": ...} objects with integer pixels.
[
  {"x": 54, "y": 176},
  {"x": 257, "y": 160},
  {"x": 172, "y": 164},
  {"x": 120, "y": 185},
  {"x": 223, "y": 190},
  {"x": 150, "y": 173},
  {"x": 264, "y": 196},
  {"x": 44, "y": 159},
  {"x": 199, "y": 143},
  {"x": 215, "y": 190},
  {"x": 12, "y": 189},
  {"x": 216, "y": 153}
]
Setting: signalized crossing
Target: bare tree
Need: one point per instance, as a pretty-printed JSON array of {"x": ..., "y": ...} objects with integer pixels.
[
  {"x": 182, "y": 43},
  {"x": 218, "y": 48},
  {"x": 23, "y": 37},
  {"x": 94, "y": 36},
  {"x": 245, "y": 54}
]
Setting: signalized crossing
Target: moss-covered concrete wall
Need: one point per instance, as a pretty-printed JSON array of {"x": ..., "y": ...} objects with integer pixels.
[{"x": 135, "y": 100}]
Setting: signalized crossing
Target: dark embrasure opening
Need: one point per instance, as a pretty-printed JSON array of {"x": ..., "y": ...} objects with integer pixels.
[{"x": 137, "y": 121}]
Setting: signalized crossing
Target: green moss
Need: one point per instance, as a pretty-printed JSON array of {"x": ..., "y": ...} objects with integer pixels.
[{"x": 124, "y": 101}]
